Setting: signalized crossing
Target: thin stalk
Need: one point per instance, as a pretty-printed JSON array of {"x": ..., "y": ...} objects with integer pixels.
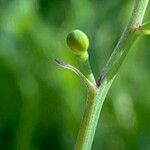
[
  {"x": 84, "y": 66},
  {"x": 94, "y": 104}
]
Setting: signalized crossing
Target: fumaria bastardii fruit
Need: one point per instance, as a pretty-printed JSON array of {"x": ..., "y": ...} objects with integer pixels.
[{"x": 78, "y": 41}]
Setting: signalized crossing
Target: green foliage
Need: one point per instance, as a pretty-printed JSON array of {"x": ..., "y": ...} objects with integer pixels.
[{"x": 41, "y": 105}]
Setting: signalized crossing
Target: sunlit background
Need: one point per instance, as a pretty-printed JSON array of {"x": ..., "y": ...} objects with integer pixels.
[{"x": 41, "y": 105}]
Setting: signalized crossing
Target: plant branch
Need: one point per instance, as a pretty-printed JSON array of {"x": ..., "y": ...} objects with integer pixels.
[{"x": 94, "y": 105}]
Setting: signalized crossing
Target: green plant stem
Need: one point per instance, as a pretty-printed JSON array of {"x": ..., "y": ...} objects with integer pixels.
[
  {"x": 92, "y": 89},
  {"x": 126, "y": 41},
  {"x": 90, "y": 118},
  {"x": 94, "y": 104}
]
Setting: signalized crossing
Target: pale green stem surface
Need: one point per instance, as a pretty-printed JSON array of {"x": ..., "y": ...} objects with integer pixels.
[{"x": 94, "y": 104}]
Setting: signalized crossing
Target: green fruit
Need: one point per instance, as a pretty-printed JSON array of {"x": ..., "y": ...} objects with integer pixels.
[{"x": 78, "y": 41}]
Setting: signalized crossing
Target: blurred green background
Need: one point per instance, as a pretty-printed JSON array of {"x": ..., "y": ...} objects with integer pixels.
[{"x": 41, "y": 105}]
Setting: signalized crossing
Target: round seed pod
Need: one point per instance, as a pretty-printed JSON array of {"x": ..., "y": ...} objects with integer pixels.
[{"x": 78, "y": 41}]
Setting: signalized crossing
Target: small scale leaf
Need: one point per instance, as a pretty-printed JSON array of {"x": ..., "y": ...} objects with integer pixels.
[
  {"x": 78, "y": 41},
  {"x": 145, "y": 28},
  {"x": 87, "y": 82}
]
